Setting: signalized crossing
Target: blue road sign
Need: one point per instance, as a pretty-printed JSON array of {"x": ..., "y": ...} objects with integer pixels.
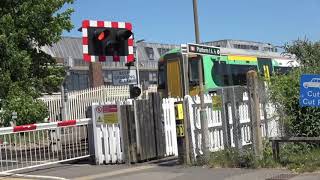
[{"x": 310, "y": 90}]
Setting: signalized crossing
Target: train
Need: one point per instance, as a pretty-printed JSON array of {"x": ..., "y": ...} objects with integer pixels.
[{"x": 227, "y": 69}]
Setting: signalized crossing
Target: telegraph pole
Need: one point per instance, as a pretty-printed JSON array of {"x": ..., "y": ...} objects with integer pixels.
[{"x": 203, "y": 115}]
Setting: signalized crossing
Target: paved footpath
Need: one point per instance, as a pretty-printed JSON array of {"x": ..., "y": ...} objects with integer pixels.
[{"x": 155, "y": 171}]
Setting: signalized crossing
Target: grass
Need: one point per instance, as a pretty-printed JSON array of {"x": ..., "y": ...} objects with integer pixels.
[
  {"x": 300, "y": 157},
  {"x": 233, "y": 158},
  {"x": 296, "y": 157}
]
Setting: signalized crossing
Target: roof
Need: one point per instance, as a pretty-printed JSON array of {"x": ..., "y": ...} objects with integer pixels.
[
  {"x": 72, "y": 47},
  {"x": 66, "y": 47}
]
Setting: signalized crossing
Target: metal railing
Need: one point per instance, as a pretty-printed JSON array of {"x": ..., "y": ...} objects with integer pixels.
[{"x": 35, "y": 145}]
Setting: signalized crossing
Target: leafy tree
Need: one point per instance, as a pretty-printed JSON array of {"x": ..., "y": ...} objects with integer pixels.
[
  {"x": 285, "y": 91},
  {"x": 28, "y": 109},
  {"x": 25, "y": 27}
]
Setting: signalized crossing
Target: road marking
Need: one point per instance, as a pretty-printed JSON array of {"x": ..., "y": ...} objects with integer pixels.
[
  {"x": 30, "y": 176},
  {"x": 114, "y": 173}
]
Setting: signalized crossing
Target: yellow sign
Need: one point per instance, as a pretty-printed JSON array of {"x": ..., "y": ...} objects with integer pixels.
[
  {"x": 216, "y": 102},
  {"x": 110, "y": 118},
  {"x": 179, "y": 111},
  {"x": 180, "y": 130},
  {"x": 266, "y": 72}
]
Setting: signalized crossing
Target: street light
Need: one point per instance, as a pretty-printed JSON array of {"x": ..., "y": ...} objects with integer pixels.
[{"x": 137, "y": 60}]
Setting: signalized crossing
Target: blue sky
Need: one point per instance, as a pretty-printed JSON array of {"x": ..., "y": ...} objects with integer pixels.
[{"x": 171, "y": 21}]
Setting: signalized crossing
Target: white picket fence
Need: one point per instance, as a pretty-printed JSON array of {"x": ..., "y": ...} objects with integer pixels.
[
  {"x": 170, "y": 126},
  {"x": 214, "y": 121},
  {"x": 79, "y": 101},
  {"x": 214, "y": 124}
]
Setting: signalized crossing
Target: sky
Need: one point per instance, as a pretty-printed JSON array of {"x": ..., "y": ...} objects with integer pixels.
[{"x": 171, "y": 21}]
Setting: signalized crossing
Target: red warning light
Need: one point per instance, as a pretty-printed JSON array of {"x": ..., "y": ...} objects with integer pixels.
[{"x": 101, "y": 36}]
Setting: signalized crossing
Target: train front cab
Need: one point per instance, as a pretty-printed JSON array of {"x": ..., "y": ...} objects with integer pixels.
[{"x": 171, "y": 75}]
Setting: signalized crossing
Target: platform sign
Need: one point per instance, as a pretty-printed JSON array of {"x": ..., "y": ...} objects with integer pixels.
[
  {"x": 203, "y": 49},
  {"x": 310, "y": 90}
]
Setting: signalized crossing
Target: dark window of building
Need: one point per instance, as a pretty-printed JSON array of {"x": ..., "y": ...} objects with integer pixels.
[
  {"x": 254, "y": 47},
  {"x": 150, "y": 53},
  {"x": 152, "y": 77},
  {"x": 244, "y": 46},
  {"x": 77, "y": 80},
  {"x": 108, "y": 77},
  {"x": 161, "y": 76},
  {"x": 161, "y": 51},
  {"x": 266, "y": 49}
]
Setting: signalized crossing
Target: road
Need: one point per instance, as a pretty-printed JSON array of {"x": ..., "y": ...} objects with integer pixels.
[{"x": 156, "y": 171}]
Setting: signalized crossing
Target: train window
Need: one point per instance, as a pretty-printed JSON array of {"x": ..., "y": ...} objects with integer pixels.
[
  {"x": 229, "y": 74},
  {"x": 193, "y": 71},
  {"x": 220, "y": 74},
  {"x": 161, "y": 76},
  {"x": 282, "y": 70},
  {"x": 239, "y": 73}
]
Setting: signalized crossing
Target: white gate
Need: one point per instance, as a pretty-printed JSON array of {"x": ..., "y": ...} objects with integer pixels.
[
  {"x": 170, "y": 126},
  {"x": 35, "y": 145}
]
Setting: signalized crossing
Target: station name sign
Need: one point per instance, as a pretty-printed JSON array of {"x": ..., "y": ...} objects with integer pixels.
[
  {"x": 202, "y": 49},
  {"x": 124, "y": 77}
]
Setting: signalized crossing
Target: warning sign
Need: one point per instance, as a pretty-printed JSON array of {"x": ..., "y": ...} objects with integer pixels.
[
  {"x": 107, "y": 114},
  {"x": 110, "y": 114},
  {"x": 180, "y": 130},
  {"x": 216, "y": 102},
  {"x": 179, "y": 110}
]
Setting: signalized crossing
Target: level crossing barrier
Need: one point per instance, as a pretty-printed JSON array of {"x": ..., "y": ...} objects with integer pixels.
[{"x": 35, "y": 145}]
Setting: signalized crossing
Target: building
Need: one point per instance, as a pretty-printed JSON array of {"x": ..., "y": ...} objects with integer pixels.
[
  {"x": 148, "y": 55},
  {"x": 245, "y": 45}
]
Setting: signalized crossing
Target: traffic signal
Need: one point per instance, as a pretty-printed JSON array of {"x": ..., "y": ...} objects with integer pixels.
[
  {"x": 135, "y": 91},
  {"x": 103, "y": 40}
]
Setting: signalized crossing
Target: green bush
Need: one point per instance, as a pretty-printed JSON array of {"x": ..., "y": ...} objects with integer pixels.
[
  {"x": 285, "y": 92},
  {"x": 29, "y": 110}
]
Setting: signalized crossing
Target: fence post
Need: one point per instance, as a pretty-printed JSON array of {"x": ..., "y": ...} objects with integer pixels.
[
  {"x": 252, "y": 80},
  {"x": 125, "y": 133},
  {"x": 236, "y": 121},
  {"x": 190, "y": 157},
  {"x": 224, "y": 120}
]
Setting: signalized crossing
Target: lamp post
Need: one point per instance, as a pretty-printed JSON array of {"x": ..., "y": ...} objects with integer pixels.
[{"x": 137, "y": 60}]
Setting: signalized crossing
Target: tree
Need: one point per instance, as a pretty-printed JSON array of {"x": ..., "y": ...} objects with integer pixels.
[
  {"x": 26, "y": 26},
  {"x": 285, "y": 89}
]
